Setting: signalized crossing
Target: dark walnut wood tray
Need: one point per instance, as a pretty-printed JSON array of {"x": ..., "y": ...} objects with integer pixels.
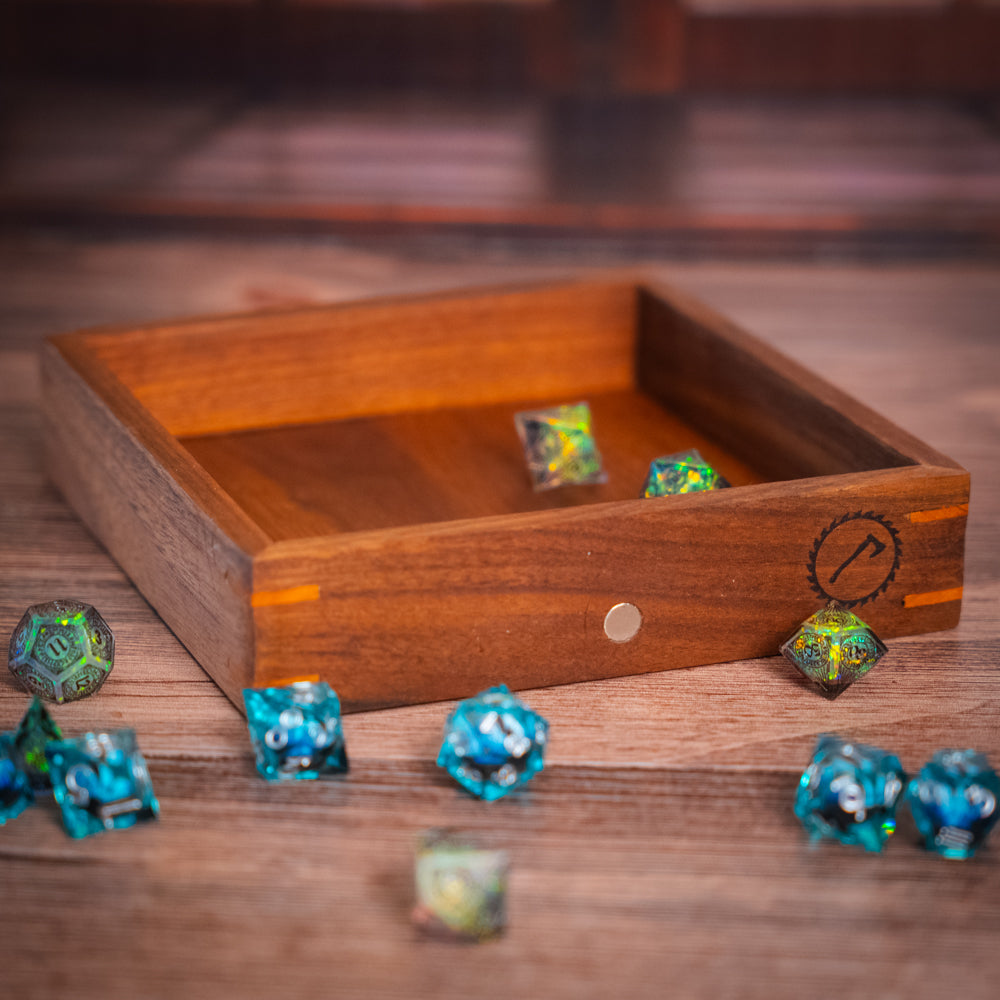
[{"x": 339, "y": 492}]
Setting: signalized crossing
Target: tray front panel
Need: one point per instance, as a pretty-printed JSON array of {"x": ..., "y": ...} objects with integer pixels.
[{"x": 417, "y": 615}]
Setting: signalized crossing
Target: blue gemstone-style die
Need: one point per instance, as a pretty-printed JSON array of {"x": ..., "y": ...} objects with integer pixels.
[
  {"x": 101, "y": 782},
  {"x": 295, "y": 731},
  {"x": 850, "y": 793},
  {"x": 493, "y": 743},
  {"x": 15, "y": 786},
  {"x": 954, "y": 802}
]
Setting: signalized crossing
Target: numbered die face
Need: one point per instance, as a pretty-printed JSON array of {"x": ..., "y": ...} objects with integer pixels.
[
  {"x": 559, "y": 447},
  {"x": 296, "y": 732},
  {"x": 684, "y": 472},
  {"x": 954, "y": 802},
  {"x": 849, "y": 792},
  {"x": 15, "y": 787},
  {"x": 493, "y": 743},
  {"x": 100, "y": 782},
  {"x": 62, "y": 651}
]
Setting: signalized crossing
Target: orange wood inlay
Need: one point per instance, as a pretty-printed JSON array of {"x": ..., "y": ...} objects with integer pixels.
[
  {"x": 940, "y": 513},
  {"x": 932, "y": 597},
  {"x": 285, "y": 681},
  {"x": 292, "y": 595}
]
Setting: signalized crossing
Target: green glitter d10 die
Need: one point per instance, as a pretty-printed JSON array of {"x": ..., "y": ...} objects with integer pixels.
[
  {"x": 559, "y": 447},
  {"x": 834, "y": 648},
  {"x": 684, "y": 472},
  {"x": 461, "y": 889},
  {"x": 62, "y": 651},
  {"x": 36, "y": 731}
]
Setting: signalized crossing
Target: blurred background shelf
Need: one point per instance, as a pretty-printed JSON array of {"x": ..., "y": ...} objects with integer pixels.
[
  {"x": 710, "y": 174},
  {"x": 704, "y": 127},
  {"x": 565, "y": 46}
]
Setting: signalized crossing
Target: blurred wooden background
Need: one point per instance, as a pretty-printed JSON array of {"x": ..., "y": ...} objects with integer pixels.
[
  {"x": 706, "y": 127},
  {"x": 614, "y": 46}
]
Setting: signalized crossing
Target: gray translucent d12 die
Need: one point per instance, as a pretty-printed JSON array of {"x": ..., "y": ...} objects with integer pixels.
[{"x": 62, "y": 651}]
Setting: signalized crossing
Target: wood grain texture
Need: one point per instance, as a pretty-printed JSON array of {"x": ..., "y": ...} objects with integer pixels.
[
  {"x": 187, "y": 546},
  {"x": 658, "y": 847},
  {"x": 370, "y": 358}
]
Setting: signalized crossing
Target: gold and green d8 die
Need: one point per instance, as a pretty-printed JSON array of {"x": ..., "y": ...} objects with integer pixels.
[{"x": 62, "y": 651}]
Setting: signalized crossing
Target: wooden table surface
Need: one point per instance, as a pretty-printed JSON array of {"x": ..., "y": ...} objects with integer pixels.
[{"x": 657, "y": 855}]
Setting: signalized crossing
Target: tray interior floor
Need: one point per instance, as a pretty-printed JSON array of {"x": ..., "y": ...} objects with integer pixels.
[{"x": 442, "y": 465}]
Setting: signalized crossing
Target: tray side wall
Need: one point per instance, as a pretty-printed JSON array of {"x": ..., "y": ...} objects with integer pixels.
[
  {"x": 782, "y": 418},
  {"x": 420, "y": 615},
  {"x": 137, "y": 491},
  {"x": 375, "y": 358}
]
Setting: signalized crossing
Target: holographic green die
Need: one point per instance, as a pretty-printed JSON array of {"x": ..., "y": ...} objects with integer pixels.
[
  {"x": 834, "y": 648},
  {"x": 62, "y": 651},
  {"x": 461, "y": 889},
  {"x": 36, "y": 731},
  {"x": 684, "y": 472},
  {"x": 559, "y": 446}
]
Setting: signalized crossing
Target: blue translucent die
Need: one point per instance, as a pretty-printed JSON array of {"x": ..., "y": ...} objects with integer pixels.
[
  {"x": 15, "y": 787},
  {"x": 954, "y": 802},
  {"x": 559, "y": 447},
  {"x": 101, "y": 782},
  {"x": 685, "y": 472},
  {"x": 295, "y": 731},
  {"x": 849, "y": 793},
  {"x": 493, "y": 743}
]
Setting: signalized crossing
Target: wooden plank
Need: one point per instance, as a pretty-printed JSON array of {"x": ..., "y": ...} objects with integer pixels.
[
  {"x": 185, "y": 543},
  {"x": 434, "y": 612},
  {"x": 237, "y": 372},
  {"x": 462, "y": 579}
]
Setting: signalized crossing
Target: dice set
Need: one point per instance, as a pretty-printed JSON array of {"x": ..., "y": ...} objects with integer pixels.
[{"x": 850, "y": 792}]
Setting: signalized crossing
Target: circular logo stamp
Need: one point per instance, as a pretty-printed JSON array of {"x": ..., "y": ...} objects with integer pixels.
[{"x": 855, "y": 558}]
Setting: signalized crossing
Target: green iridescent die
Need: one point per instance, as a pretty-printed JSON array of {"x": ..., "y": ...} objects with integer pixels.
[
  {"x": 834, "y": 648},
  {"x": 36, "y": 731},
  {"x": 559, "y": 446},
  {"x": 62, "y": 651},
  {"x": 461, "y": 889},
  {"x": 683, "y": 472}
]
